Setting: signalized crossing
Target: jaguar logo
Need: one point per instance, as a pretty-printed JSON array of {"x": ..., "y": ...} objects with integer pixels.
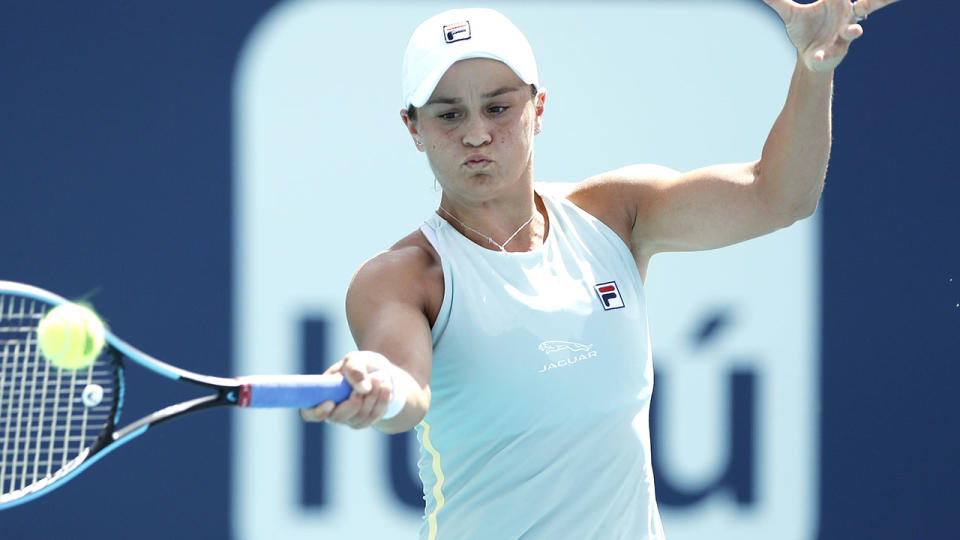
[{"x": 555, "y": 346}]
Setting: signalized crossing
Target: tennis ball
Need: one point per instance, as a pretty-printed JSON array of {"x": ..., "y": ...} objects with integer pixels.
[{"x": 70, "y": 336}]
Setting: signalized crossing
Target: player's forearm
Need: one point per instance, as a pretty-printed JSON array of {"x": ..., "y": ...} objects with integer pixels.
[{"x": 793, "y": 164}]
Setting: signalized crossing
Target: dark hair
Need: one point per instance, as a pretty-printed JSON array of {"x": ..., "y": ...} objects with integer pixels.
[{"x": 412, "y": 111}]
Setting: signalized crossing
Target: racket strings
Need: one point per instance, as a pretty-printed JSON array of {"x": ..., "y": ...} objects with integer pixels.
[{"x": 45, "y": 422}]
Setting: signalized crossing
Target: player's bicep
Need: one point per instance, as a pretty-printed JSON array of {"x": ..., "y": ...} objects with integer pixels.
[{"x": 702, "y": 209}]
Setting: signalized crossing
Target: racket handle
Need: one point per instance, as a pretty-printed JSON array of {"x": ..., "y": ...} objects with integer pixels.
[{"x": 292, "y": 391}]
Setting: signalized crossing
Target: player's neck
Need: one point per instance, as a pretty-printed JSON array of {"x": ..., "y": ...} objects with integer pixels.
[{"x": 508, "y": 224}]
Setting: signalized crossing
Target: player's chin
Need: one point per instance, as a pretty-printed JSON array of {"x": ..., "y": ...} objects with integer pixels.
[{"x": 487, "y": 180}]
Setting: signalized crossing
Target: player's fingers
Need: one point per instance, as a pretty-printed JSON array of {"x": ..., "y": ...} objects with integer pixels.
[
  {"x": 355, "y": 371},
  {"x": 346, "y": 409},
  {"x": 369, "y": 399},
  {"x": 383, "y": 402},
  {"x": 851, "y": 32},
  {"x": 863, "y": 8},
  {"x": 366, "y": 415},
  {"x": 318, "y": 413},
  {"x": 336, "y": 367},
  {"x": 374, "y": 407}
]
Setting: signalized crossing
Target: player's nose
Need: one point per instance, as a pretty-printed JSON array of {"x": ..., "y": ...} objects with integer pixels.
[{"x": 476, "y": 131}]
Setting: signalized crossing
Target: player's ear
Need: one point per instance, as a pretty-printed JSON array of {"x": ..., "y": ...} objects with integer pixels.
[
  {"x": 538, "y": 106},
  {"x": 539, "y": 100},
  {"x": 409, "y": 118}
]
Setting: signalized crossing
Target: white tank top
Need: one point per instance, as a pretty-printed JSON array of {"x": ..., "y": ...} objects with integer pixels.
[{"x": 541, "y": 384}]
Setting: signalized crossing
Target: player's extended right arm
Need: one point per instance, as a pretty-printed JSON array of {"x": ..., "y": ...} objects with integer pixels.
[{"x": 387, "y": 316}]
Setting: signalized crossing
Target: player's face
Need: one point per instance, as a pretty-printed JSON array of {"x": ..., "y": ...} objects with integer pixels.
[{"x": 478, "y": 128}]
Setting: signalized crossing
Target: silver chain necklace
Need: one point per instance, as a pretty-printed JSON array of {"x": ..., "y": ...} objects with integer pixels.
[{"x": 503, "y": 246}]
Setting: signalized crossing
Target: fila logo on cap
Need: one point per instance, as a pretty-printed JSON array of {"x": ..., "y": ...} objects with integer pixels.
[
  {"x": 456, "y": 32},
  {"x": 609, "y": 295}
]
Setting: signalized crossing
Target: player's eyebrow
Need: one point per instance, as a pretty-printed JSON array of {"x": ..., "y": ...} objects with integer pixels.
[
  {"x": 456, "y": 101},
  {"x": 500, "y": 91}
]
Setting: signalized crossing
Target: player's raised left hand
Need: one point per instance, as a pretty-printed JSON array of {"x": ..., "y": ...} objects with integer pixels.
[{"x": 823, "y": 30}]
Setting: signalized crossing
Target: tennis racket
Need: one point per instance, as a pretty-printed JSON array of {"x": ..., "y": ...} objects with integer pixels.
[{"x": 55, "y": 423}]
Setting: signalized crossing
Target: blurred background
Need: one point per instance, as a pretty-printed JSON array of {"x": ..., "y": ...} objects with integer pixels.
[{"x": 208, "y": 174}]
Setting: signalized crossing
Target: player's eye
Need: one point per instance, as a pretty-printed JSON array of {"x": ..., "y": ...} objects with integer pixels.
[
  {"x": 498, "y": 109},
  {"x": 449, "y": 115}
]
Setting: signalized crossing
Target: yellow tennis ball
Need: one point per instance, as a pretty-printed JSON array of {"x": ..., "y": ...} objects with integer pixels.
[{"x": 70, "y": 336}]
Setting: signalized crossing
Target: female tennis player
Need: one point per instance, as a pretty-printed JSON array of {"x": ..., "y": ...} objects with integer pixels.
[{"x": 510, "y": 330}]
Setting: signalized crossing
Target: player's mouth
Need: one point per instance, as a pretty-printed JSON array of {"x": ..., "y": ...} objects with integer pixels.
[{"x": 477, "y": 161}]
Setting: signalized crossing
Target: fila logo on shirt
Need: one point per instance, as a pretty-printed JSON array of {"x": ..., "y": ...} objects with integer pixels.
[
  {"x": 456, "y": 32},
  {"x": 609, "y": 295}
]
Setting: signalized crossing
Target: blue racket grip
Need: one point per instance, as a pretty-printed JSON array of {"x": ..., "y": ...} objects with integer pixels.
[{"x": 292, "y": 391}]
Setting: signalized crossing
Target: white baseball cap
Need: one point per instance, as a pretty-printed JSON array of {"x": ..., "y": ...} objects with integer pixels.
[{"x": 456, "y": 35}]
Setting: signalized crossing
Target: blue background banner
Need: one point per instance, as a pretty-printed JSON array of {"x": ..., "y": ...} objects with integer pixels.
[{"x": 116, "y": 186}]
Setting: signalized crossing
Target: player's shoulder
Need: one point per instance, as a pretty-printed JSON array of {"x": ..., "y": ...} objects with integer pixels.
[
  {"x": 410, "y": 268},
  {"x": 610, "y": 186},
  {"x": 625, "y": 184},
  {"x": 628, "y": 177},
  {"x": 614, "y": 197}
]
